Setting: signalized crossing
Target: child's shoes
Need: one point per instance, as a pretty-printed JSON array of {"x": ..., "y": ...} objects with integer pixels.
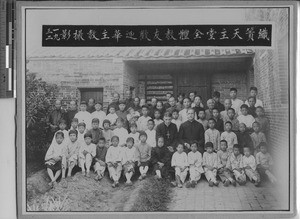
[
  {"x": 216, "y": 183},
  {"x": 233, "y": 183},
  {"x": 226, "y": 183},
  {"x": 210, "y": 183},
  {"x": 193, "y": 184},
  {"x": 188, "y": 185}
]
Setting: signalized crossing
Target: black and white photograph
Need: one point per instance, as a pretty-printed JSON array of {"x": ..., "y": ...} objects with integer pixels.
[{"x": 156, "y": 108}]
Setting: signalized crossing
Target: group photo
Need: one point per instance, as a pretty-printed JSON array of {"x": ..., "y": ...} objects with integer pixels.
[{"x": 157, "y": 128}]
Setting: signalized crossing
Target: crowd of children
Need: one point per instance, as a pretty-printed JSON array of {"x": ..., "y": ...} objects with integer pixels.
[{"x": 125, "y": 141}]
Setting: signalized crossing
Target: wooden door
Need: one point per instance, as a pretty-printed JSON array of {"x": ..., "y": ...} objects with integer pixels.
[
  {"x": 95, "y": 93},
  {"x": 198, "y": 82}
]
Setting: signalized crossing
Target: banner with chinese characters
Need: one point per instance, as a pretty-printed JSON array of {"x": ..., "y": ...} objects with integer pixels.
[{"x": 157, "y": 35}]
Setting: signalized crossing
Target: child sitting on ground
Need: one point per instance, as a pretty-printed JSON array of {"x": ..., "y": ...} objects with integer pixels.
[
  {"x": 249, "y": 166},
  {"x": 96, "y": 131},
  {"x": 151, "y": 133},
  {"x": 121, "y": 132},
  {"x": 212, "y": 135},
  {"x": 99, "y": 113},
  {"x": 246, "y": 118},
  {"x": 113, "y": 160},
  {"x": 160, "y": 159},
  {"x": 180, "y": 164},
  {"x": 224, "y": 174},
  {"x": 244, "y": 139},
  {"x": 175, "y": 119},
  {"x": 87, "y": 152},
  {"x": 100, "y": 165},
  {"x": 157, "y": 118},
  {"x": 112, "y": 117},
  {"x": 70, "y": 155},
  {"x": 202, "y": 118},
  {"x": 81, "y": 132},
  {"x": 74, "y": 124},
  {"x": 210, "y": 165},
  {"x": 143, "y": 154},
  {"x": 128, "y": 160},
  {"x": 195, "y": 165},
  {"x": 235, "y": 164},
  {"x": 53, "y": 158},
  {"x": 257, "y": 137},
  {"x": 264, "y": 162},
  {"x": 219, "y": 122},
  {"x": 134, "y": 134},
  {"x": 229, "y": 136},
  {"x": 231, "y": 117},
  {"x": 107, "y": 132}
]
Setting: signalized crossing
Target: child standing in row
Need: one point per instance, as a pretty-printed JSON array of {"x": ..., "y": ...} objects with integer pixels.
[
  {"x": 74, "y": 124},
  {"x": 202, "y": 118},
  {"x": 219, "y": 122},
  {"x": 212, "y": 135},
  {"x": 87, "y": 152},
  {"x": 143, "y": 120},
  {"x": 151, "y": 134},
  {"x": 113, "y": 160},
  {"x": 99, "y": 114},
  {"x": 257, "y": 137},
  {"x": 128, "y": 160},
  {"x": 100, "y": 164},
  {"x": 210, "y": 164},
  {"x": 157, "y": 118},
  {"x": 231, "y": 117},
  {"x": 112, "y": 116},
  {"x": 180, "y": 164},
  {"x": 81, "y": 131},
  {"x": 195, "y": 165},
  {"x": 96, "y": 131},
  {"x": 160, "y": 158},
  {"x": 245, "y": 117},
  {"x": 229, "y": 136},
  {"x": 143, "y": 151},
  {"x": 107, "y": 132},
  {"x": 84, "y": 116},
  {"x": 175, "y": 119},
  {"x": 134, "y": 134},
  {"x": 121, "y": 132}
]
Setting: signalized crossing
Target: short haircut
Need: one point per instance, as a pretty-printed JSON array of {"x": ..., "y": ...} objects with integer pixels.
[
  {"x": 115, "y": 137},
  {"x": 88, "y": 135},
  {"x": 99, "y": 103},
  {"x": 236, "y": 146},
  {"x": 262, "y": 144},
  {"x": 187, "y": 98},
  {"x": 157, "y": 110},
  {"x": 73, "y": 132},
  {"x": 168, "y": 93},
  {"x": 112, "y": 107},
  {"x": 210, "y": 100},
  {"x": 102, "y": 139},
  {"x": 241, "y": 123},
  {"x": 181, "y": 94},
  {"x": 95, "y": 120},
  {"x": 198, "y": 96},
  {"x": 120, "y": 119},
  {"x": 59, "y": 133},
  {"x": 133, "y": 125},
  {"x": 162, "y": 137},
  {"x": 195, "y": 142},
  {"x": 260, "y": 107},
  {"x": 247, "y": 147},
  {"x": 130, "y": 139},
  {"x": 252, "y": 98},
  {"x": 167, "y": 114},
  {"x": 175, "y": 111},
  {"x": 233, "y": 89},
  {"x": 216, "y": 109},
  {"x": 137, "y": 98},
  {"x": 253, "y": 88},
  {"x": 209, "y": 145},
  {"x": 122, "y": 102},
  {"x": 145, "y": 107},
  {"x": 159, "y": 102},
  {"x": 150, "y": 120},
  {"x": 82, "y": 124},
  {"x": 228, "y": 122},
  {"x": 244, "y": 106},
  {"x": 62, "y": 121},
  {"x": 106, "y": 121},
  {"x": 191, "y": 109},
  {"x": 216, "y": 94},
  {"x": 192, "y": 92},
  {"x": 212, "y": 119},
  {"x": 143, "y": 134},
  {"x": 75, "y": 120},
  {"x": 83, "y": 103},
  {"x": 256, "y": 123},
  {"x": 231, "y": 109},
  {"x": 201, "y": 109},
  {"x": 224, "y": 141}
]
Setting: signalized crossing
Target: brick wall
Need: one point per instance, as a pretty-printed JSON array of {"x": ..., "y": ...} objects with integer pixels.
[
  {"x": 271, "y": 78},
  {"x": 131, "y": 79},
  {"x": 69, "y": 74},
  {"x": 223, "y": 82}
]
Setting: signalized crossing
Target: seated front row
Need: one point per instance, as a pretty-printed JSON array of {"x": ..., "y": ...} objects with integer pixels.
[{"x": 229, "y": 167}]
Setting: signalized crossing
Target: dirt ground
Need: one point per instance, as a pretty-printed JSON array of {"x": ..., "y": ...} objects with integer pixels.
[{"x": 81, "y": 194}]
